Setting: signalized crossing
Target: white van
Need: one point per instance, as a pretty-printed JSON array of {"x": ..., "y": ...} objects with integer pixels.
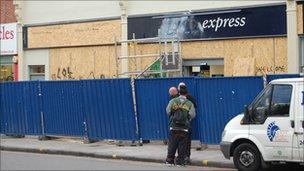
[{"x": 271, "y": 128}]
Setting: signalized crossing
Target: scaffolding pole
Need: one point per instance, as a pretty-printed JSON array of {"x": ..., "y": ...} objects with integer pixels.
[{"x": 163, "y": 54}]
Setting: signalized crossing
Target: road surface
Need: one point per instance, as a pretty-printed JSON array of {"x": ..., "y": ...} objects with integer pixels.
[{"x": 31, "y": 161}]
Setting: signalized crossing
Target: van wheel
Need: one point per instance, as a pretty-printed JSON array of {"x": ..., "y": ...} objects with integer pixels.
[{"x": 246, "y": 157}]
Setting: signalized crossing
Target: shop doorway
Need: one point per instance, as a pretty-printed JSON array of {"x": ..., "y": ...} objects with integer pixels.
[
  {"x": 204, "y": 67},
  {"x": 6, "y": 68}
]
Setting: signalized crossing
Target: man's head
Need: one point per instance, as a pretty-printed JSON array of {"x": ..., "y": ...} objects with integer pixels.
[
  {"x": 180, "y": 84},
  {"x": 183, "y": 90},
  {"x": 173, "y": 91}
]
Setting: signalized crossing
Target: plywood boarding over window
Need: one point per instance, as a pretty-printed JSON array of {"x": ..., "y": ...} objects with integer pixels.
[
  {"x": 83, "y": 63},
  {"x": 269, "y": 54},
  {"x": 242, "y": 57},
  {"x": 260, "y": 55},
  {"x": 76, "y": 34},
  {"x": 300, "y": 18}
]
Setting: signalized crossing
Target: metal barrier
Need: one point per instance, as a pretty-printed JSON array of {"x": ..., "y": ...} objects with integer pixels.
[
  {"x": 62, "y": 106},
  {"x": 98, "y": 109},
  {"x": 151, "y": 100},
  {"x": 19, "y": 109},
  {"x": 109, "y": 111},
  {"x": 220, "y": 99},
  {"x": 103, "y": 109}
]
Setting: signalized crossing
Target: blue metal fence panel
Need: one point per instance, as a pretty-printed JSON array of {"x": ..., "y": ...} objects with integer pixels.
[
  {"x": 20, "y": 112},
  {"x": 109, "y": 109},
  {"x": 152, "y": 98},
  {"x": 220, "y": 99},
  {"x": 62, "y": 108},
  {"x": 271, "y": 77}
]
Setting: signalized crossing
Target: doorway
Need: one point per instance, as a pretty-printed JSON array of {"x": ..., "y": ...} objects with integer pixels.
[{"x": 204, "y": 67}]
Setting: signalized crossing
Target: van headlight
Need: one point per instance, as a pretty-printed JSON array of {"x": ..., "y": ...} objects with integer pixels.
[{"x": 223, "y": 134}]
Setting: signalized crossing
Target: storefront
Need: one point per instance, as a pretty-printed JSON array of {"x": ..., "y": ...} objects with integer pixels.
[
  {"x": 230, "y": 42},
  {"x": 8, "y": 60},
  {"x": 238, "y": 41}
]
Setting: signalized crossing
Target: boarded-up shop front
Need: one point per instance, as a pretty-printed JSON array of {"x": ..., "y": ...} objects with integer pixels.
[{"x": 225, "y": 42}]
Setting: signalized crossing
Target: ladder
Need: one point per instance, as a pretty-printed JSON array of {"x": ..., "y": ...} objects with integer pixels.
[{"x": 168, "y": 54}]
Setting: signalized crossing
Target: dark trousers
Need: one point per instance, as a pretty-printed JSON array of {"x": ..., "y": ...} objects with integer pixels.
[
  {"x": 177, "y": 141},
  {"x": 189, "y": 142}
]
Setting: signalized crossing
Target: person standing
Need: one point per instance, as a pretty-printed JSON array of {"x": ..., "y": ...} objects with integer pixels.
[
  {"x": 173, "y": 92},
  {"x": 180, "y": 111},
  {"x": 182, "y": 85}
]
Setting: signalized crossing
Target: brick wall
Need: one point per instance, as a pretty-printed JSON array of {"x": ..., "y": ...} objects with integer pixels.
[{"x": 7, "y": 11}]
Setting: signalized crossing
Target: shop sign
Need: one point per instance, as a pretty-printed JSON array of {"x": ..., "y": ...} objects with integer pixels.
[
  {"x": 242, "y": 22},
  {"x": 8, "y": 37}
]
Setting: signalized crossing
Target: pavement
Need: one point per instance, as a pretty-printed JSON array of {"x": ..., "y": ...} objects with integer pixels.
[{"x": 155, "y": 151}]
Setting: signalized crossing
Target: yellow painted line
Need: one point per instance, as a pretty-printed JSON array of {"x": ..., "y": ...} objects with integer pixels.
[{"x": 205, "y": 162}]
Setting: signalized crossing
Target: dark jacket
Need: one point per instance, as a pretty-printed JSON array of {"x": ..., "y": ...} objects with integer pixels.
[
  {"x": 192, "y": 99},
  {"x": 174, "y": 96}
]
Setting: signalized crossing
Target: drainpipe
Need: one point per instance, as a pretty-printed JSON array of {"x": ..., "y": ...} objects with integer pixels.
[
  {"x": 292, "y": 37},
  {"x": 124, "y": 37},
  {"x": 18, "y": 13}
]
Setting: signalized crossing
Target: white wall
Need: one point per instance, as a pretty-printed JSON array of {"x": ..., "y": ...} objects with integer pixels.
[
  {"x": 140, "y": 7},
  {"x": 36, "y": 57},
  {"x": 37, "y": 12}
]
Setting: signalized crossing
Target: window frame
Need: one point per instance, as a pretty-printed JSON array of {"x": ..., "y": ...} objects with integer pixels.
[
  {"x": 254, "y": 104},
  {"x": 35, "y": 73},
  {"x": 275, "y": 116}
]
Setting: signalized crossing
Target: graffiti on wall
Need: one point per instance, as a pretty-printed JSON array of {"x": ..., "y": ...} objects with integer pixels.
[
  {"x": 66, "y": 73},
  {"x": 270, "y": 69}
]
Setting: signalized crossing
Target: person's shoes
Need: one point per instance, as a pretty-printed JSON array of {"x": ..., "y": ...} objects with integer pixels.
[
  {"x": 181, "y": 165},
  {"x": 187, "y": 160},
  {"x": 169, "y": 163}
]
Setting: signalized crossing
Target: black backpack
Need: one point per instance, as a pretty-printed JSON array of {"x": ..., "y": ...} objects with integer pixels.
[{"x": 180, "y": 117}]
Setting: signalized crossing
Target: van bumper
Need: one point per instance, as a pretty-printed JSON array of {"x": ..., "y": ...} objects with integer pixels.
[{"x": 225, "y": 148}]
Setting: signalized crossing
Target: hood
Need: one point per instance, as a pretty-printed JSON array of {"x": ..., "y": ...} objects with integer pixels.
[{"x": 235, "y": 122}]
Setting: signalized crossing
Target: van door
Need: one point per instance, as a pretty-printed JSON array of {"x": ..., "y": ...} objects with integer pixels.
[
  {"x": 298, "y": 151},
  {"x": 271, "y": 122},
  {"x": 301, "y": 110}
]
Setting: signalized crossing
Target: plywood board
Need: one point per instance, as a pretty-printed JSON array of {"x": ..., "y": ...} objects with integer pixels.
[
  {"x": 281, "y": 55},
  {"x": 82, "y": 63},
  {"x": 192, "y": 50},
  {"x": 244, "y": 67},
  {"x": 269, "y": 54},
  {"x": 77, "y": 34},
  {"x": 256, "y": 56}
]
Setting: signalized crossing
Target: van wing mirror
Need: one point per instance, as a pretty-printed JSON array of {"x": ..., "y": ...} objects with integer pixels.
[{"x": 246, "y": 118}]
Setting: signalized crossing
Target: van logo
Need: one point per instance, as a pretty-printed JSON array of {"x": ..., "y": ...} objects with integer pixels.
[{"x": 272, "y": 130}]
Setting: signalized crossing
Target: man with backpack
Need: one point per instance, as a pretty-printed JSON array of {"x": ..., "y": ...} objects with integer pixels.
[
  {"x": 180, "y": 111},
  {"x": 182, "y": 85}
]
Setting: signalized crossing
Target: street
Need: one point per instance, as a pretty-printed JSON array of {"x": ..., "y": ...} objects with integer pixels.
[{"x": 31, "y": 161}]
